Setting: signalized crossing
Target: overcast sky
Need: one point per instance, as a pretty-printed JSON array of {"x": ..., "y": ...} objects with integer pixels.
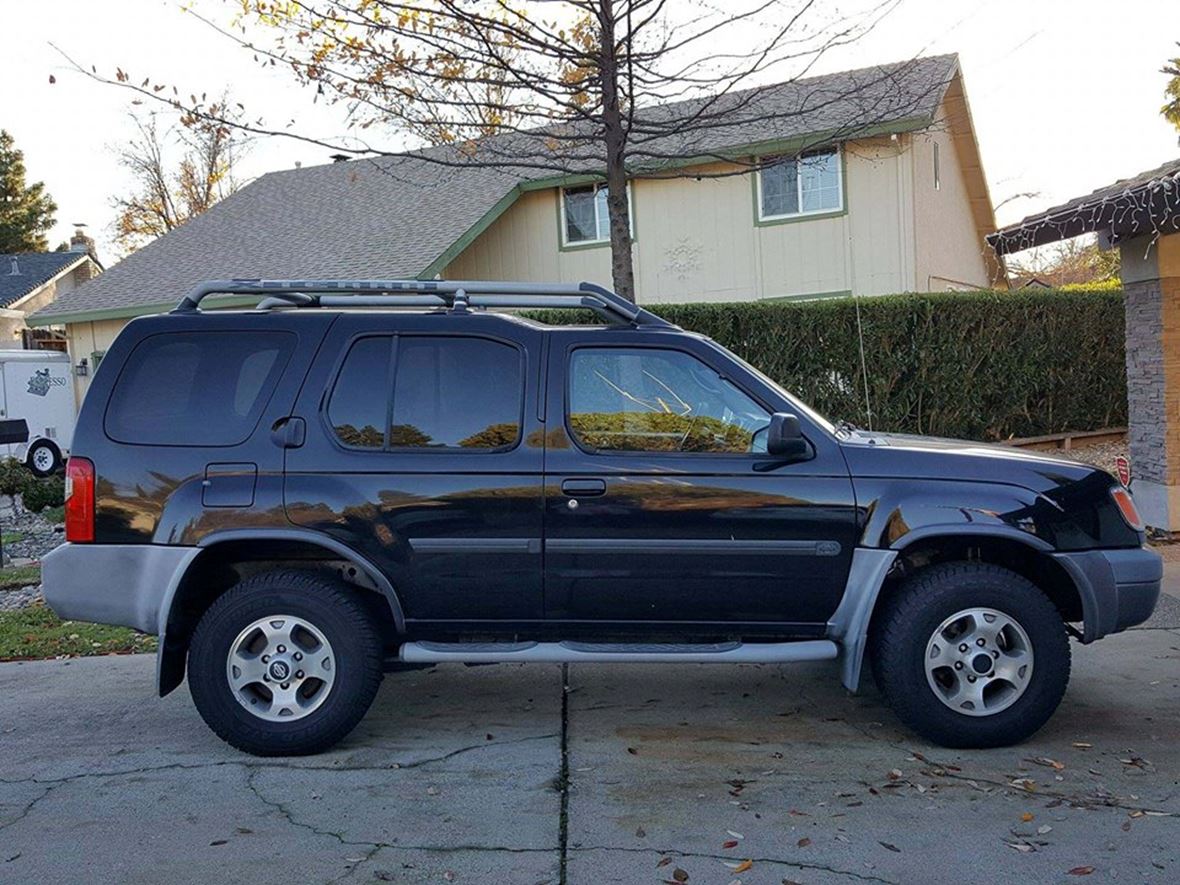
[{"x": 1065, "y": 94}]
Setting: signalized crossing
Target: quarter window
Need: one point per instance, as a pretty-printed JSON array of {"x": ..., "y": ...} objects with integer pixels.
[
  {"x": 800, "y": 185},
  {"x": 653, "y": 400},
  {"x": 584, "y": 214},
  {"x": 196, "y": 388}
]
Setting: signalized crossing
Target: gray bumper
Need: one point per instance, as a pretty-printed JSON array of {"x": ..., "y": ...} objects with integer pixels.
[
  {"x": 1119, "y": 588},
  {"x": 124, "y": 584}
]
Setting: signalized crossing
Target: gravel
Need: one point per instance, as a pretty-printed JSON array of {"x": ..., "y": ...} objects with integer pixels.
[{"x": 37, "y": 537}]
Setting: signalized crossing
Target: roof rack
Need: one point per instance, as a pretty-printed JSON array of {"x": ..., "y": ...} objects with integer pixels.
[{"x": 458, "y": 296}]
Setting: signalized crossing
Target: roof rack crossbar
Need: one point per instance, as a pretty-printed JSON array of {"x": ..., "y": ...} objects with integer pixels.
[{"x": 423, "y": 293}]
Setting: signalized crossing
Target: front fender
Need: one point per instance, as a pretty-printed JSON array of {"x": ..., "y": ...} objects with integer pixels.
[{"x": 894, "y": 513}]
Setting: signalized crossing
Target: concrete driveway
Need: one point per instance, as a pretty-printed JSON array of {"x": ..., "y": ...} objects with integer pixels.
[{"x": 631, "y": 774}]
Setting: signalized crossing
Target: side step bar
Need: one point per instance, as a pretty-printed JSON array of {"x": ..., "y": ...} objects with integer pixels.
[{"x": 629, "y": 653}]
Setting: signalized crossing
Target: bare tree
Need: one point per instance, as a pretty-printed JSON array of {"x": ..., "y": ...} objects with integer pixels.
[
  {"x": 167, "y": 193},
  {"x": 609, "y": 90}
]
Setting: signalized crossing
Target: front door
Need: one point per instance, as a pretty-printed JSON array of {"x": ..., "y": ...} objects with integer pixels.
[
  {"x": 423, "y": 454},
  {"x": 662, "y": 507}
]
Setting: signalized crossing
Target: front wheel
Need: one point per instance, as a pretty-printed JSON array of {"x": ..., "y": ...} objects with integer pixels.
[
  {"x": 971, "y": 655},
  {"x": 286, "y": 663}
]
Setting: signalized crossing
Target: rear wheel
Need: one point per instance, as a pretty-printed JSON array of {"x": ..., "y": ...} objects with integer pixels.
[
  {"x": 971, "y": 655},
  {"x": 285, "y": 663}
]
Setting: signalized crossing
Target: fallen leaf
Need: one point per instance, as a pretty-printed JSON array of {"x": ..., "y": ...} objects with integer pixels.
[
  {"x": 245, "y": 830},
  {"x": 729, "y": 843},
  {"x": 632, "y": 751},
  {"x": 1047, "y": 762},
  {"x": 641, "y": 832},
  {"x": 1027, "y": 816},
  {"x": 449, "y": 875},
  {"x": 741, "y": 867},
  {"x": 355, "y": 859},
  {"x": 680, "y": 875},
  {"x": 890, "y": 846},
  {"x": 383, "y": 875},
  {"x": 894, "y": 774},
  {"x": 735, "y": 835},
  {"x": 1043, "y": 829},
  {"x": 1126, "y": 826},
  {"x": 1080, "y": 871},
  {"x": 804, "y": 842},
  {"x": 1082, "y": 745},
  {"x": 219, "y": 841},
  {"x": 1022, "y": 847},
  {"x": 664, "y": 861}
]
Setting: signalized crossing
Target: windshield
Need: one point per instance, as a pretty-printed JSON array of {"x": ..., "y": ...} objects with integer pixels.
[{"x": 800, "y": 407}]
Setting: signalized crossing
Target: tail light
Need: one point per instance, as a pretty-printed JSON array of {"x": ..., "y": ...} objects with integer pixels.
[
  {"x": 1127, "y": 508},
  {"x": 80, "y": 500}
]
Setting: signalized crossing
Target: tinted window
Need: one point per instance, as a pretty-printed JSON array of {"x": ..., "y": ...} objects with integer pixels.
[
  {"x": 455, "y": 392},
  {"x": 359, "y": 404},
  {"x": 196, "y": 388},
  {"x": 649, "y": 400}
]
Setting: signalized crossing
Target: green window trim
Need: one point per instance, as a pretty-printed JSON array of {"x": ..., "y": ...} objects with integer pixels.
[
  {"x": 563, "y": 244},
  {"x": 761, "y": 220}
]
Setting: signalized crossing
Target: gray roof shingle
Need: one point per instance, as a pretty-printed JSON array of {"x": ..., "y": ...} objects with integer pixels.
[
  {"x": 393, "y": 216},
  {"x": 34, "y": 269}
]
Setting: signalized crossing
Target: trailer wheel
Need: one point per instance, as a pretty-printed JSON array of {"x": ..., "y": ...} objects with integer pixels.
[{"x": 43, "y": 458}]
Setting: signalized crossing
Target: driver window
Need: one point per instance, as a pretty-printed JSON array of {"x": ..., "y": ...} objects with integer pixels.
[{"x": 651, "y": 400}]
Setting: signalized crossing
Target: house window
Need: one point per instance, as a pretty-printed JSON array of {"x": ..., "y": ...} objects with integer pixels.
[
  {"x": 802, "y": 185},
  {"x": 584, "y": 216},
  {"x": 937, "y": 169}
]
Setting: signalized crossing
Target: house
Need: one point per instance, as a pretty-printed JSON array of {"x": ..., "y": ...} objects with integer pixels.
[
  {"x": 30, "y": 281},
  {"x": 863, "y": 182},
  {"x": 1140, "y": 216}
]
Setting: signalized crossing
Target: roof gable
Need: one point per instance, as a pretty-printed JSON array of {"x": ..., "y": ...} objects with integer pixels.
[{"x": 33, "y": 270}]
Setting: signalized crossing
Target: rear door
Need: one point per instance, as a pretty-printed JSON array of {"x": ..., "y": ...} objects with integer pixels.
[
  {"x": 423, "y": 453},
  {"x": 663, "y": 508}
]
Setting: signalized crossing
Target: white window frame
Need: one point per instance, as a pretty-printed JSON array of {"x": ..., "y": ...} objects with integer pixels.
[
  {"x": 597, "y": 185},
  {"x": 769, "y": 161}
]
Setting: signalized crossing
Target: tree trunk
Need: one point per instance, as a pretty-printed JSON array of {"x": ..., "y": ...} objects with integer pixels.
[{"x": 615, "y": 140}]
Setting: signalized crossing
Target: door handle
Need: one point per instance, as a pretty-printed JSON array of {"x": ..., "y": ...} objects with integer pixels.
[
  {"x": 289, "y": 433},
  {"x": 583, "y": 488}
]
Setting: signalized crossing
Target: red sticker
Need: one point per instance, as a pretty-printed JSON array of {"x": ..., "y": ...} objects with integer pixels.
[{"x": 1123, "y": 466}]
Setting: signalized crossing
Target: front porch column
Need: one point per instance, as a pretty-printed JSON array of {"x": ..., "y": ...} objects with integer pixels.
[{"x": 1151, "y": 280}]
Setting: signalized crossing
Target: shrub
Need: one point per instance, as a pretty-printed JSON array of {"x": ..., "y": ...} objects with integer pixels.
[
  {"x": 42, "y": 493},
  {"x": 14, "y": 477},
  {"x": 975, "y": 365}
]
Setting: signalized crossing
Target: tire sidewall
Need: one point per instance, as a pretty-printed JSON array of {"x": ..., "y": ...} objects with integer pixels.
[
  {"x": 353, "y": 655},
  {"x": 30, "y": 459}
]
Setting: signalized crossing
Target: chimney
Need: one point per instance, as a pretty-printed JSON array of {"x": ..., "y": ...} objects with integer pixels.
[
  {"x": 338, "y": 158},
  {"x": 15, "y": 271},
  {"x": 80, "y": 242}
]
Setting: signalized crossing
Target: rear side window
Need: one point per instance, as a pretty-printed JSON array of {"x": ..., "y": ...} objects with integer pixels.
[
  {"x": 196, "y": 388},
  {"x": 447, "y": 393}
]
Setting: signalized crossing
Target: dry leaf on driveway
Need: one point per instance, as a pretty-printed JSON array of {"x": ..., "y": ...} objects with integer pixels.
[{"x": 1080, "y": 871}]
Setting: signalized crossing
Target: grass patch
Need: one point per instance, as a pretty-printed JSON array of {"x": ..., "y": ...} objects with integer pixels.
[
  {"x": 36, "y": 632},
  {"x": 11, "y": 538},
  {"x": 16, "y": 576},
  {"x": 55, "y": 515}
]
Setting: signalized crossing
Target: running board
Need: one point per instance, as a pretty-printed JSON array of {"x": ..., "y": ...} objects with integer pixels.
[{"x": 628, "y": 653}]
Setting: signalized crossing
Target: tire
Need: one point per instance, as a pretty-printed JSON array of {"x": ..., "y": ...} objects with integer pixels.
[
  {"x": 43, "y": 458},
  {"x": 331, "y": 656},
  {"x": 921, "y": 668}
]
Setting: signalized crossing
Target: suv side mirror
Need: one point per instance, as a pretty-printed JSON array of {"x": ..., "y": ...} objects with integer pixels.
[{"x": 784, "y": 438}]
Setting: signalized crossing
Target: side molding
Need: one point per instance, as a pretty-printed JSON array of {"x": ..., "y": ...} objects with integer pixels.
[{"x": 849, "y": 624}]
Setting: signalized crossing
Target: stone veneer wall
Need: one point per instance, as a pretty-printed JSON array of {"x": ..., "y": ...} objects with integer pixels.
[{"x": 1146, "y": 381}]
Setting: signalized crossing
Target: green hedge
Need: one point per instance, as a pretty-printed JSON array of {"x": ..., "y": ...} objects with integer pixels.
[{"x": 973, "y": 365}]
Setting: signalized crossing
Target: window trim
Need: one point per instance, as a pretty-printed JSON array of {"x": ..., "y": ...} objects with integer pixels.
[
  {"x": 563, "y": 241},
  {"x": 633, "y": 453},
  {"x": 386, "y": 449},
  {"x": 760, "y": 219}
]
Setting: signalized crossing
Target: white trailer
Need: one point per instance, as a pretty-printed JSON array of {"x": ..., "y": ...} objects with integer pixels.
[{"x": 35, "y": 385}]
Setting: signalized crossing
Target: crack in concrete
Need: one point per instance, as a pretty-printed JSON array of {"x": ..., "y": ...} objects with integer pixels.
[
  {"x": 29, "y": 806},
  {"x": 700, "y": 855},
  {"x": 243, "y": 763}
]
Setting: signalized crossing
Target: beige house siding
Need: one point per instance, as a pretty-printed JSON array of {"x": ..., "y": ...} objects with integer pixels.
[
  {"x": 86, "y": 339},
  {"x": 699, "y": 239},
  {"x": 950, "y": 253}
]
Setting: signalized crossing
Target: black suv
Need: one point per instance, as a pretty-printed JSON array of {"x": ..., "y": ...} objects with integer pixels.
[{"x": 360, "y": 476}]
